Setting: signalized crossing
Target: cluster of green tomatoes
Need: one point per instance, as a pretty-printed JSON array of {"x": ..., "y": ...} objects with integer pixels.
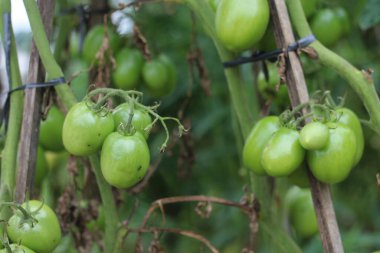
[
  {"x": 119, "y": 133},
  {"x": 330, "y": 145},
  {"x": 33, "y": 228},
  {"x": 129, "y": 67}
]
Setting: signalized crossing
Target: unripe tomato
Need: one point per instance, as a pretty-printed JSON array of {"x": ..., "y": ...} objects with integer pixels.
[
  {"x": 124, "y": 160},
  {"x": 333, "y": 163},
  {"x": 299, "y": 177},
  {"x": 283, "y": 153},
  {"x": 349, "y": 118},
  {"x": 17, "y": 249},
  {"x": 240, "y": 24},
  {"x": 326, "y": 27},
  {"x": 79, "y": 84},
  {"x": 156, "y": 77},
  {"x": 301, "y": 212},
  {"x": 267, "y": 42},
  {"x": 50, "y": 136},
  {"x": 94, "y": 40},
  {"x": 256, "y": 142},
  {"x": 127, "y": 74},
  {"x": 141, "y": 119},
  {"x": 314, "y": 135},
  {"x": 267, "y": 88},
  {"x": 85, "y": 130},
  {"x": 41, "y": 235}
]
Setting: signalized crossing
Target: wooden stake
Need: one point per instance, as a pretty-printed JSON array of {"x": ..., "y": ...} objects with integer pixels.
[{"x": 323, "y": 205}]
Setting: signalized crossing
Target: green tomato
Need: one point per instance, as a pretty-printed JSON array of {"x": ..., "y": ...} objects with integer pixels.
[
  {"x": 256, "y": 142},
  {"x": 17, "y": 249},
  {"x": 326, "y": 27},
  {"x": 240, "y": 24},
  {"x": 156, "y": 78},
  {"x": 50, "y": 136},
  {"x": 171, "y": 71},
  {"x": 267, "y": 42},
  {"x": 309, "y": 7},
  {"x": 41, "y": 166},
  {"x": 124, "y": 160},
  {"x": 302, "y": 214},
  {"x": 314, "y": 135},
  {"x": 140, "y": 120},
  {"x": 349, "y": 118},
  {"x": 94, "y": 40},
  {"x": 129, "y": 64},
  {"x": 85, "y": 130},
  {"x": 344, "y": 19},
  {"x": 79, "y": 84},
  {"x": 333, "y": 163},
  {"x": 283, "y": 153},
  {"x": 299, "y": 177},
  {"x": 42, "y": 234}
]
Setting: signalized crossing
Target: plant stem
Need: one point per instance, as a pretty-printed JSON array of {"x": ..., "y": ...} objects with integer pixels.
[
  {"x": 108, "y": 202},
  {"x": 52, "y": 68},
  {"x": 360, "y": 82},
  {"x": 9, "y": 154}
]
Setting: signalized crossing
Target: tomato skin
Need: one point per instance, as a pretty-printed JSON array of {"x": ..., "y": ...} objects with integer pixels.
[
  {"x": 349, "y": 118},
  {"x": 43, "y": 236},
  {"x": 326, "y": 27},
  {"x": 50, "y": 136},
  {"x": 129, "y": 64},
  {"x": 79, "y": 84},
  {"x": 256, "y": 141},
  {"x": 156, "y": 76},
  {"x": 333, "y": 163},
  {"x": 124, "y": 160},
  {"x": 17, "y": 249},
  {"x": 41, "y": 166},
  {"x": 140, "y": 120},
  {"x": 344, "y": 19},
  {"x": 94, "y": 39},
  {"x": 314, "y": 135},
  {"x": 85, "y": 130},
  {"x": 240, "y": 24},
  {"x": 283, "y": 153},
  {"x": 268, "y": 88},
  {"x": 299, "y": 177}
]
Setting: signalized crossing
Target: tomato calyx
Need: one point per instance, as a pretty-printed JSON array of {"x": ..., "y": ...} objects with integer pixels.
[{"x": 27, "y": 216}]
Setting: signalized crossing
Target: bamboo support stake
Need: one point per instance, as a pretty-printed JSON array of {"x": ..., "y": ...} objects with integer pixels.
[
  {"x": 32, "y": 112},
  {"x": 323, "y": 205}
]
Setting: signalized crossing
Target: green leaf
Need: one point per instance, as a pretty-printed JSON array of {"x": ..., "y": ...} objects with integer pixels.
[{"x": 370, "y": 14}]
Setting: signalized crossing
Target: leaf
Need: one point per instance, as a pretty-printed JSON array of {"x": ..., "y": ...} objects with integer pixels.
[{"x": 370, "y": 15}]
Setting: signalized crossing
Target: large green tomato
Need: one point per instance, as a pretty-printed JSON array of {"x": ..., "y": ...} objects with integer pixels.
[
  {"x": 240, "y": 24},
  {"x": 79, "y": 84},
  {"x": 326, "y": 27},
  {"x": 85, "y": 130},
  {"x": 42, "y": 234},
  {"x": 333, "y": 163},
  {"x": 124, "y": 160},
  {"x": 301, "y": 213},
  {"x": 256, "y": 142},
  {"x": 344, "y": 19},
  {"x": 94, "y": 40},
  {"x": 140, "y": 120},
  {"x": 50, "y": 136},
  {"x": 314, "y": 135},
  {"x": 129, "y": 64},
  {"x": 349, "y": 118},
  {"x": 17, "y": 249},
  {"x": 283, "y": 153}
]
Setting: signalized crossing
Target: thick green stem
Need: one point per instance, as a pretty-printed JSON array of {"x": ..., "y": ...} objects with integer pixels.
[
  {"x": 360, "y": 82},
  {"x": 51, "y": 66},
  {"x": 9, "y": 154},
  {"x": 109, "y": 206}
]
